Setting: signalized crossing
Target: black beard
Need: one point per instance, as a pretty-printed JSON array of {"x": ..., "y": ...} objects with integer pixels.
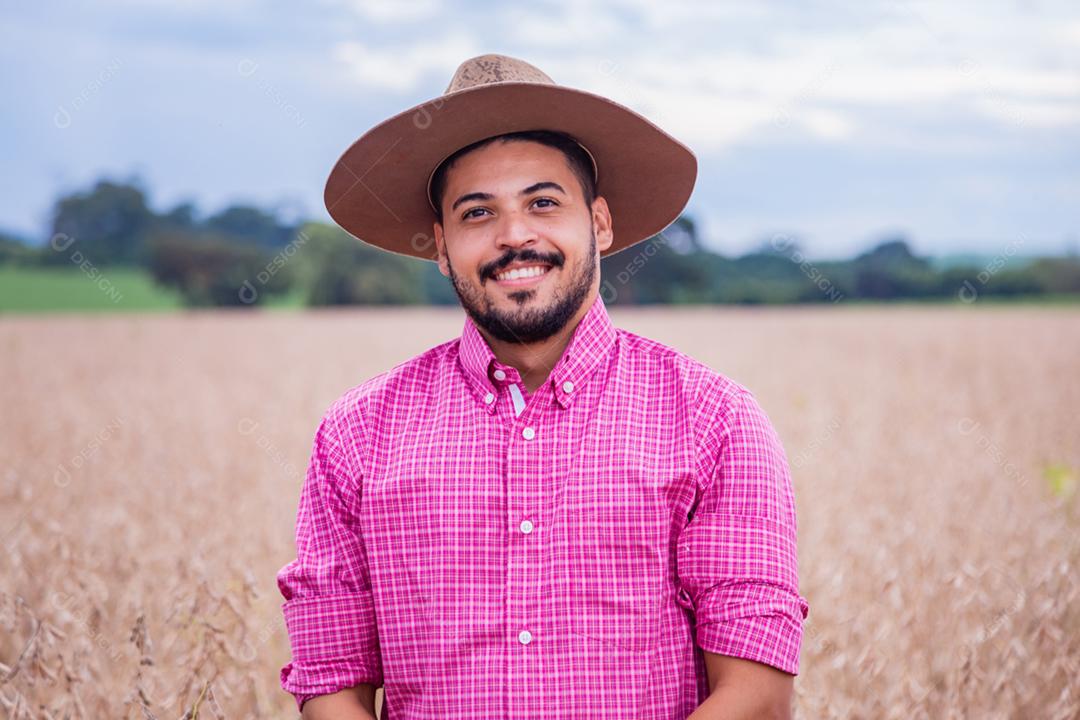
[{"x": 536, "y": 324}]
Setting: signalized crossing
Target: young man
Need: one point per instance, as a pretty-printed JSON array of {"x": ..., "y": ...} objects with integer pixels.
[{"x": 548, "y": 517}]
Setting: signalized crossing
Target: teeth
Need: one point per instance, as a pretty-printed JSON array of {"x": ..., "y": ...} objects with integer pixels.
[{"x": 518, "y": 273}]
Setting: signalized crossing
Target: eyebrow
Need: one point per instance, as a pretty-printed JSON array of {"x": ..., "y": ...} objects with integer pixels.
[{"x": 542, "y": 185}]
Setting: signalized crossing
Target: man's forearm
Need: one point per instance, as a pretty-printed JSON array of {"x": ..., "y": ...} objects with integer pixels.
[
  {"x": 733, "y": 703},
  {"x": 356, "y": 703},
  {"x": 745, "y": 690}
]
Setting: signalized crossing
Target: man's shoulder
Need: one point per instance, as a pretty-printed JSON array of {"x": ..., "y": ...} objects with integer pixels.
[
  {"x": 412, "y": 375},
  {"x": 715, "y": 403},
  {"x": 708, "y": 389}
]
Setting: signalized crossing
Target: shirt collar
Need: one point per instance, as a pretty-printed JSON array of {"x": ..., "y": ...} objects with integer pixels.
[{"x": 590, "y": 343}]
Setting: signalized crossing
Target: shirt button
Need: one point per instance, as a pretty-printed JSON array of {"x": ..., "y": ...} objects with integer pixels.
[
  {"x": 568, "y": 386},
  {"x": 500, "y": 375},
  {"x": 528, "y": 433},
  {"x": 526, "y": 526},
  {"x": 489, "y": 398},
  {"x": 525, "y": 637}
]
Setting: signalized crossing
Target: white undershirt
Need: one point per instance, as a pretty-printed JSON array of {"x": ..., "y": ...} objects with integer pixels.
[{"x": 519, "y": 401}]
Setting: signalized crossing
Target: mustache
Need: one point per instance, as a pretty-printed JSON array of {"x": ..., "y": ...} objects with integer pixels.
[{"x": 523, "y": 256}]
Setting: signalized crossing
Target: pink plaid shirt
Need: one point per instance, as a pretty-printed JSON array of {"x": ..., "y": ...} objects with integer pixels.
[{"x": 480, "y": 551}]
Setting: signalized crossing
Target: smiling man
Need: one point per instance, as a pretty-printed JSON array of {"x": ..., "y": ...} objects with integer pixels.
[
  {"x": 549, "y": 516},
  {"x": 526, "y": 296}
]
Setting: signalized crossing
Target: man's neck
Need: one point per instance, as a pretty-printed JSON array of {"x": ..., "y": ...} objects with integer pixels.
[{"x": 534, "y": 361}]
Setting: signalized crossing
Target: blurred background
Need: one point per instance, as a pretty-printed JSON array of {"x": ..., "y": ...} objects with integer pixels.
[
  {"x": 885, "y": 233},
  {"x": 162, "y": 154}
]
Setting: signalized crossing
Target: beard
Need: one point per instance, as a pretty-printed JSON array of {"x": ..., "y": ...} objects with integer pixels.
[{"x": 528, "y": 324}]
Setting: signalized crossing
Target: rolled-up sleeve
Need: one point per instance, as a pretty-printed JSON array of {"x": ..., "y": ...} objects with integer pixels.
[
  {"x": 329, "y": 607},
  {"x": 737, "y": 559}
]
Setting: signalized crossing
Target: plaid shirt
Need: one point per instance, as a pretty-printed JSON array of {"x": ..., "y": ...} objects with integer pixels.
[{"x": 481, "y": 551}]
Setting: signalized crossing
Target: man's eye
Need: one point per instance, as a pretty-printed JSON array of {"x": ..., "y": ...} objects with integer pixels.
[
  {"x": 546, "y": 200},
  {"x": 469, "y": 213}
]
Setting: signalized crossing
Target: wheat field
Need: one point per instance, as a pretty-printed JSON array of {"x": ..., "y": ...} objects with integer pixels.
[{"x": 152, "y": 466}]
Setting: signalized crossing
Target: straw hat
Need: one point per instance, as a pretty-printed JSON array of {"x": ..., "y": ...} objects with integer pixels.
[{"x": 378, "y": 190}]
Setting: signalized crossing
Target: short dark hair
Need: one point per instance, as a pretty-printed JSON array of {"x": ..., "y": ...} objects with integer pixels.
[{"x": 576, "y": 157}]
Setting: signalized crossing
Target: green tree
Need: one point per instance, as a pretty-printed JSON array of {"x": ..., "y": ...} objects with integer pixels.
[
  {"x": 16, "y": 252},
  {"x": 108, "y": 225},
  {"x": 890, "y": 270},
  {"x": 213, "y": 270},
  {"x": 338, "y": 269},
  {"x": 251, "y": 225},
  {"x": 1057, "y": 275},
  {"x": 669, "y": 267}
]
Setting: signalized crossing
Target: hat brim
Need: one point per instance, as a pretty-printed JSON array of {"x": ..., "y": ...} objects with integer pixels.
[{"x": 377, "y": 189}]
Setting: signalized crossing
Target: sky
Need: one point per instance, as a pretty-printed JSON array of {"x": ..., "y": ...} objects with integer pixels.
[{"x": 956, "y": 125}]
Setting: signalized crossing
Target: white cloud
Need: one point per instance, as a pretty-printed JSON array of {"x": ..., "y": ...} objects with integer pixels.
[
  {"x": 1069, "y": 32},
  {"x": 690, "y": 68},
  {"x": 395, "y": 11},
  {"x": 1034, "y": 114},
  {"x": 566, "y": 24},
  {"x": 827, "y": 125},
  {"x": 401, "y": 70}
]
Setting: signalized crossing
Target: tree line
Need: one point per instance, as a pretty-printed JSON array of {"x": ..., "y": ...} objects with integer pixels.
[{"x": 243, "y": 255}]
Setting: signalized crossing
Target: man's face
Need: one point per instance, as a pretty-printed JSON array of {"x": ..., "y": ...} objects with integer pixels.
[{"x": 518, "y": 206}]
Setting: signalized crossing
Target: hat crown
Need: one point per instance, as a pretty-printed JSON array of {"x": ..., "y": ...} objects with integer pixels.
[{"x": 490, "y": 69}]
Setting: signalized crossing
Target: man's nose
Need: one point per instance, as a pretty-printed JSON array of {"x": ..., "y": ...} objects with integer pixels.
[{"x": 515, "y": 230}]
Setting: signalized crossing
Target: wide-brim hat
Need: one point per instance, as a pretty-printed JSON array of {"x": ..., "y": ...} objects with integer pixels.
[{"x": 378, "y": 190}]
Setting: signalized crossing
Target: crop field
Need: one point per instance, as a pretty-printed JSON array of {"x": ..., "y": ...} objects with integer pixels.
[{"x": 152, "y": 465}]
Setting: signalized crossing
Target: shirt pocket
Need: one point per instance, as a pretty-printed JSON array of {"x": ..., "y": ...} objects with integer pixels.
[
  {"x": 614, "y": 574},
  {"x": 460, "y": 574}
]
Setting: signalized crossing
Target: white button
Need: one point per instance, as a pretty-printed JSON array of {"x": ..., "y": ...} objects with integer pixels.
[
  {"x": 500, "y": 375},
  {"x": 526, "y": 526},
  {"x": 525, "y": 637},
  {"x": 568, "y": 386},
  {"x": 489, "y": 398},
  {"x": 528, "y": 433}
]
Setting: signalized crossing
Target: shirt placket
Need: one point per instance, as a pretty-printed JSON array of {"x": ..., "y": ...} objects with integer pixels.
[{"x": 528, "y": 441}]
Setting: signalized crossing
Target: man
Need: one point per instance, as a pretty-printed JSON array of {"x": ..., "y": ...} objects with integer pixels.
[{"x": 548, "y": 517}]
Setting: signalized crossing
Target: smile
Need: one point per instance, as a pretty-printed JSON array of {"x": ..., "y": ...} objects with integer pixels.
[{"x": 522, "y": 275}]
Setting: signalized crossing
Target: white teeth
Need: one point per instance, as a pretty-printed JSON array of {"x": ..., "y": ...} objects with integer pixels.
[{"x": 518, "y": 273}]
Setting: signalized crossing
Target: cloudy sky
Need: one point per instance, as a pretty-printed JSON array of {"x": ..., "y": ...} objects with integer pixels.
[{"x": 957, "y": 124}]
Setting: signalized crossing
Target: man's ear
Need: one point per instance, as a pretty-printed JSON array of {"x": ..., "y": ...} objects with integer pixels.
[
  {"x": 440, "y": 246},
  {"x": 601, "y": 219}
]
